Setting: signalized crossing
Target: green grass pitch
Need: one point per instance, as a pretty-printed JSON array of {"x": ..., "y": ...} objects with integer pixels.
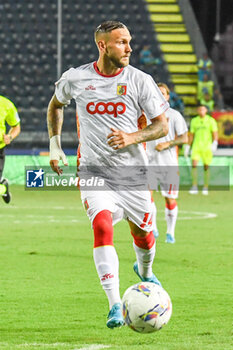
[{"x": 50, "y": 295}]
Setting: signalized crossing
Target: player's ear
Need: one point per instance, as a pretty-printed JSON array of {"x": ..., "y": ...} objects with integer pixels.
[{"x": 101, "y": 45}]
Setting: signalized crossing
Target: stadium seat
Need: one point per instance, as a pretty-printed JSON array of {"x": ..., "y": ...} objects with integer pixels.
[
  {"x": 182, "y": 48},
  {"x": 172, "y": 27},
  {"x": 181, "y": 58},
  {"x": 184, "y": 78},
  {"x": 163, "y": 8},
  {"x": 174, "y": 38},
  {"x": 186, "y": 89},
  {"x": 177, "y": 68}
]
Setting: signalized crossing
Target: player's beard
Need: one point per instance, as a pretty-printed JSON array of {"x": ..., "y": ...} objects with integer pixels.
[{"x": 116, "y": 61}]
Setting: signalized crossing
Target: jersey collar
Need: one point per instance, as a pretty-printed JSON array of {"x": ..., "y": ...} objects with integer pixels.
[{"x": 103, "y": 75}]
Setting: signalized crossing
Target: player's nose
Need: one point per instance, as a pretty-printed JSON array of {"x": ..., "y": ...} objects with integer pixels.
[{"x": 128, "y": 48}]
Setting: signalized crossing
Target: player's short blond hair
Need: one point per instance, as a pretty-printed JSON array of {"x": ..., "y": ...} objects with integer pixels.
[
  {"x": 107, "y": 27},
  {"x": 165, "y": 87}
]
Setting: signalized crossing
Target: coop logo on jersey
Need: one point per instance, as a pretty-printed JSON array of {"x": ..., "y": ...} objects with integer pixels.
[
  {"x": 121, "y": 89},
  {"x": 106, "y": 108},
  {"x": 35, "y": 178}
]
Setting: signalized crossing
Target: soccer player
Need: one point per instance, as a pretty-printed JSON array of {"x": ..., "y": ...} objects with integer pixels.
[
  {"x": 109, "y": 96},
  {"x": 203, "y": 138},
  {"x": 162, "y": 153},
  {"x": 8, "y": 115}
]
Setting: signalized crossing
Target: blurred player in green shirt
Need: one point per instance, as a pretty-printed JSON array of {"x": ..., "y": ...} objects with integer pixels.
[
  {"x": 204, "y": 141},
  {"x": 8, "y": 115}
]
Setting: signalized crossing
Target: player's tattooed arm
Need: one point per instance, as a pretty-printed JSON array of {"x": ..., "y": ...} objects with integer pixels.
[
  {"x": 120, "y": 139},
  {"x": 54, "y": 117},
  {"x": 178, "y": 141},
  {"x": 55, "y": 121},
  {"x": 158, "y": 128}
]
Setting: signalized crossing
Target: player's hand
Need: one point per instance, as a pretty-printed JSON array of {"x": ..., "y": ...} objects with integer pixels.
[
  {"x": 161, "y": 146},
  {"x": 56, "y": 153},
  {"x": 186, "y": 150},
  {"x": 119, "y": 139},
  {"x": 7, "y": 139},
  {"x": 54, "y": 162},
  {"x": 54, "y": 165},
  {"x": 214, "y": 146}
]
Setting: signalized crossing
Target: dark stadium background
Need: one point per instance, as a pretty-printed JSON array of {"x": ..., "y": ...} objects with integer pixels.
[{"x": 205, "y": 11}]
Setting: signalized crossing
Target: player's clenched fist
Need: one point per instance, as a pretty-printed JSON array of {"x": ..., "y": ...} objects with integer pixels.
[{"x": 119, "y": 139}]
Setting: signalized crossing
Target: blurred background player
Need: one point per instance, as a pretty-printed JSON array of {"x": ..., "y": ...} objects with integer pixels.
[
  {"x": 208, "y": 102},
  {"x": 109, "y": 95},
  {"x": 205, "y": 66},
  {"x": 175, "y": 100},
  {"x": 203, "y": 138},
  {"x": 146, "y": 56},
  {"x": 8, "y": 115},
  {"x": 163, "y": 154}
]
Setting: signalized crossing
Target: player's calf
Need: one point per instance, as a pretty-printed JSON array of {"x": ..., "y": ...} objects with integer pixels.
[
  {"x": 171, "y": 213},
  {"x": 107, "y": 265},
  {"x": 145, "y": 252}
]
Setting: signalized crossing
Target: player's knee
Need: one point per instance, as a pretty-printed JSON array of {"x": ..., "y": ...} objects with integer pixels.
[
  {"x": 170, "y": 203},
  {"x": 103, "y": 229},
  {"x": 146, "y": 242}
]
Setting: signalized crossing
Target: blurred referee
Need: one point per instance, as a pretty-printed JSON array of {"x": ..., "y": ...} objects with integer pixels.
[{"x": 8, "y": 115}]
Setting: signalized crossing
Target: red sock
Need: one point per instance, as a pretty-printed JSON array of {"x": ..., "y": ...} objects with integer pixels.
[
  {"x": 103, "y": 229},
  {"x": 146, "y": 242},
  {"x": 171, "y": 206}
]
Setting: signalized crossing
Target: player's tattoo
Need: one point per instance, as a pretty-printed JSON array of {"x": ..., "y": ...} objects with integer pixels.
[
  {"x": 177, "y": 142},
  {"x": 54, "y": 119},
  {"x": 151, "y": 132},
  {"x": 180, "y": 140}
]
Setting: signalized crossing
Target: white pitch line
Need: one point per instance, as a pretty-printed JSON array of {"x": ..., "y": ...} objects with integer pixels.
[
  {"x": 55, "y": 345},
  {"x": 94, "y": 347},
  {"x": 36, "y": 218},
  {"x": 197, "y": 215},
  {"x": 51, "y": 345},
  {"x": 47, "y": 222},
  {"x": 36, "y": 345},
  {"x": 41, "y": 208}
]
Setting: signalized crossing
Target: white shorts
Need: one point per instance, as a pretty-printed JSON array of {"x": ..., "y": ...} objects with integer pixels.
[
  {"x": 167, "y": 179},
  {"x": 132, "y": 205}
]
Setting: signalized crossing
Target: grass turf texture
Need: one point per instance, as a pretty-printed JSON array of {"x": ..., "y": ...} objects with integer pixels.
[{"x": 50, "y": 294}]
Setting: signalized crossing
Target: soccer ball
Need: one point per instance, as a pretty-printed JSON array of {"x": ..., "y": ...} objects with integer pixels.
[{"x": 146, "y": 307}]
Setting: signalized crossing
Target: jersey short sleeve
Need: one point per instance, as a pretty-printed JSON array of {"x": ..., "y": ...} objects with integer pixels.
[
  {"x": 192, "y": 126},
  {"x": 180, "y": 124},
  {"x": 214, "y": 125},
  {"x": 151, "y": 99},
  {"x": 12, "y": 117},
  {"x": 63, "y": 88}
]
